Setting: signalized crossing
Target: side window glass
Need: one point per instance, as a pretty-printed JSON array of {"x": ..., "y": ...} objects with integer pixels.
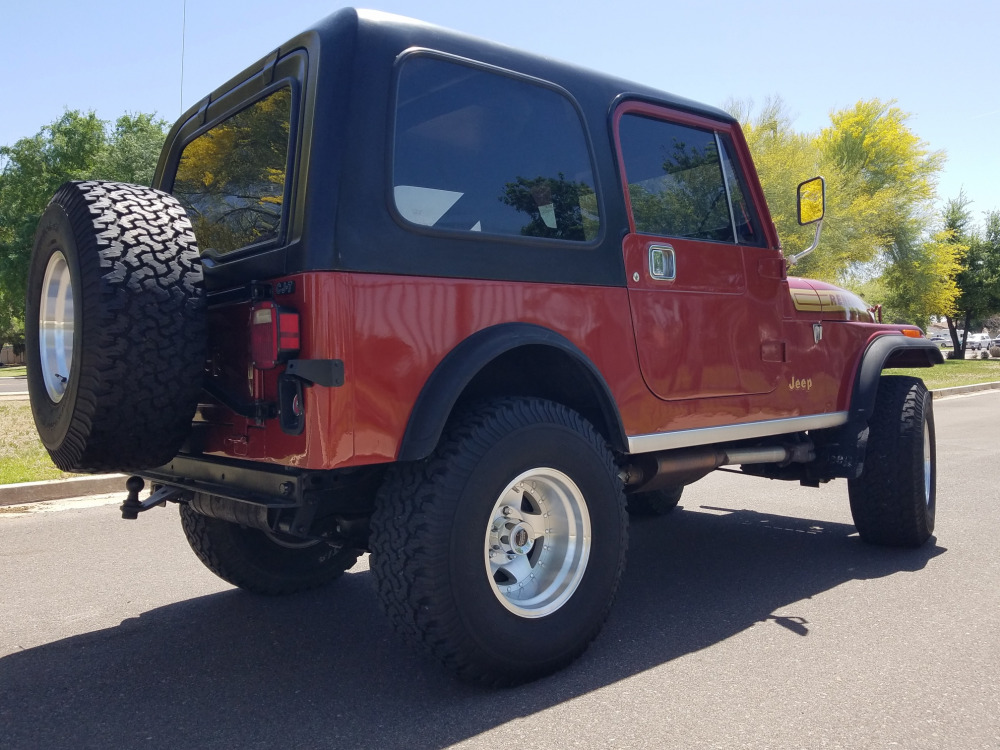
[
  {"x": 675, "y": 179},
  {"x": 231, "y": 178},
  {"x": 478, "y": 151}
]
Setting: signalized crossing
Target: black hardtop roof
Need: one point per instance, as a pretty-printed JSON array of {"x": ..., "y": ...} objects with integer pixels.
[
  {"x": 401, "y": 32},
  {"x": 388, "y": 34},
  {"x": 392, "y": 34},
  {"x": 343, "y": 161}
]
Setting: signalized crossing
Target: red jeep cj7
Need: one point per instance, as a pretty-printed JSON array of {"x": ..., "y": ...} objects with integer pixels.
[{"x": 403, "y": 291}]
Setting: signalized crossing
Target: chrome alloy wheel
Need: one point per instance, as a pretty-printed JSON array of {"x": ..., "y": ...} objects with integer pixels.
[
  {"x": 538, "y": 542},
  {"x": 56, "y": 327}
]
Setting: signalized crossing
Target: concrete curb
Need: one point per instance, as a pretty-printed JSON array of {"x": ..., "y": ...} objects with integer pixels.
[
  {"x": 60, "y": 489},
  {"x": 960, "y": 389}
]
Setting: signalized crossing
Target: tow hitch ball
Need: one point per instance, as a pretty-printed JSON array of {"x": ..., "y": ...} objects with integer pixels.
[{"x": 132, "y": 506}]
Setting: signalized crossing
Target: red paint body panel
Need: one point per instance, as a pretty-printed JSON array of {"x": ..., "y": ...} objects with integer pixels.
[
  {"x": 392, "y": 331},
  {"x": 405, "y": 326},
  {"x": 702, "y": 334},
  {"x": 324, "y": 303}
]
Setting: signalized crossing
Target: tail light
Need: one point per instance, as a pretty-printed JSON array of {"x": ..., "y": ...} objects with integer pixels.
[{"x": 274, "y": 334}]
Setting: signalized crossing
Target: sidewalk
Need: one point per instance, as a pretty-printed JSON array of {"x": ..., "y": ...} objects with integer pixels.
[{"x": 61, "y": 489}]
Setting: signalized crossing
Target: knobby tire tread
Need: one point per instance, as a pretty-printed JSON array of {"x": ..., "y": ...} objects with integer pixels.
[
  {"x": 411, "y": 512},
  {"x": 142, "y": 323},
  {"x": 887, "y": 500}
]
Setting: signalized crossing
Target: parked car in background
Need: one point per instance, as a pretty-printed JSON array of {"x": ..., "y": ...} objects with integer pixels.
[
  {"x": 940, "y": 339},
  {"x": 977, "y": 341}
]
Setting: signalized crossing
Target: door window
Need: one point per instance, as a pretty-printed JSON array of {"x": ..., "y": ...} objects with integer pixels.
[{"x": 683, "y": 182}]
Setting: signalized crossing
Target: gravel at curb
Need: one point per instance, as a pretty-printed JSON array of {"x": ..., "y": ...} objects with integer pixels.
[{"x": 59, "y": 489}]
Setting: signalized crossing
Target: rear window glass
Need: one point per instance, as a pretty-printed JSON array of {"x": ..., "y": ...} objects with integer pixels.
[
  {"x": 231, "y": 178},
  {"x": 479, "y": 151}
]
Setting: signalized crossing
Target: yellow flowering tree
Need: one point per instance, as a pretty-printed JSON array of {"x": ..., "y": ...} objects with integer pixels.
[{"x": 881, "y": 180}]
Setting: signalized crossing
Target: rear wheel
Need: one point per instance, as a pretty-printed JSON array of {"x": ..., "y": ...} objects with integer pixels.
[
  {"x": 260, "y": 561},
  {"x": 893, "y": 501},
  {"x": 502, "y": 552},
  {"x": 115, "y": 330}
]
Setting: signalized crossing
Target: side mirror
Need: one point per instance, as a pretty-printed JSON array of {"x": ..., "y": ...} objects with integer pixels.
[
  {"x": 812, "y": 200},
  {"x": 811, "y": 208}
]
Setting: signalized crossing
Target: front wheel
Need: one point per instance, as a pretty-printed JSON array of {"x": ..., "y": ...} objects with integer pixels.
[
  {"x": 893, "y": 501},
  {"x": 502, "y": 552}
]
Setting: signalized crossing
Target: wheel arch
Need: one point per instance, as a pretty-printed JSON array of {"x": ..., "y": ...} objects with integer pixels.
[
  {"x": 882, "y": 353},
  {"x": 492, "y": 362}
]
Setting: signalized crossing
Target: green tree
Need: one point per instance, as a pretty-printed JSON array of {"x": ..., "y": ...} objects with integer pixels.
[
  {"x": 890, "y": 175},
  {"x": 978, "y": 278},
  {"x": 132, "y": 148},
  {"x": 77, "y": 146},
  {"x": 784, "y": 158}
]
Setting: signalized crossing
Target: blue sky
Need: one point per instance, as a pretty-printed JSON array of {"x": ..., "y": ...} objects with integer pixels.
[{"x": 939, "y": 60}]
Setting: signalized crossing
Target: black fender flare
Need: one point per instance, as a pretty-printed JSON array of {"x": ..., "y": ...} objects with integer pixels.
[
  {"x": 882, "y": 352},
  {"x": 843, "y": 449},
  {"x": 462, "y": 364}
]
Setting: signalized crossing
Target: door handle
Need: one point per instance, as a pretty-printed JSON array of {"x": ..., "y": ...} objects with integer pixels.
[{"x": 662, "y": 264}]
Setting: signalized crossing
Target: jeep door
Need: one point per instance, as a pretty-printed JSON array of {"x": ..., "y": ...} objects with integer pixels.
[{"x": 703, "y": 284}]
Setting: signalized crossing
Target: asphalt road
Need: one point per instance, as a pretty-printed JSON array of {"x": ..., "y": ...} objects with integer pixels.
[
  {"x": 17, "y": 384},
  {"x": 752, "y": 617}
]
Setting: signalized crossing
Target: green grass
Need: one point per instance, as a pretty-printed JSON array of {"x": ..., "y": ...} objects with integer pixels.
[
  {"x": 23, "y": 458},
  {"x": 955, "y": 372},
  {"x": 13, "y": 371}
]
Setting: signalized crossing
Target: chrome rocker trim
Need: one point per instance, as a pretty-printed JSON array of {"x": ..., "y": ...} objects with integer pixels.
[{"x": 662, "y": 441}]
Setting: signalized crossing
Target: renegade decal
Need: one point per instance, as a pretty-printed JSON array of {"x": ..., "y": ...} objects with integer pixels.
[
  {"x": 820, "y": 300},
  {"x": 831, "y": 301}
]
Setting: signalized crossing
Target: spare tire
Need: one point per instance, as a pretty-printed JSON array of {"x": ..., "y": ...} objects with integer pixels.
[{"x": 115, "y": 328}]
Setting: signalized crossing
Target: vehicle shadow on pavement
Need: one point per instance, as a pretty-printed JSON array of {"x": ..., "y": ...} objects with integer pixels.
[{"x": 323, "y": 669}]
